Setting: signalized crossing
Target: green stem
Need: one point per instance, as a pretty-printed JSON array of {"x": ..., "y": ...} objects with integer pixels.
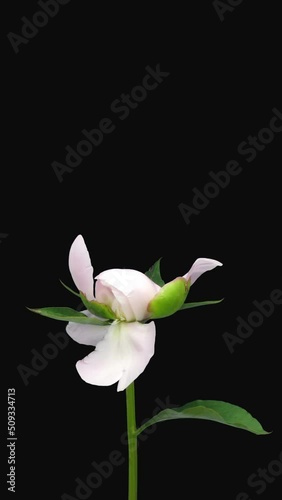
[{"x": 132, "y": 443}]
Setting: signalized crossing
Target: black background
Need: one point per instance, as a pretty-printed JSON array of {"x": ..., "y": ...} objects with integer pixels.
[{"x": 224, "y": 81}]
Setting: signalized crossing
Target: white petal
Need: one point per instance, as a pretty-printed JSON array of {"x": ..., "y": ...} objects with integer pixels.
[
  {"x": 199, "y": 267},
  {"x": 135, "y": 286},
  {"x": 139, "y": 347},
  {"x": 81, "y": 268},
  {"x": 122, "y": 356},
  {"x": 87, "y": 334}
]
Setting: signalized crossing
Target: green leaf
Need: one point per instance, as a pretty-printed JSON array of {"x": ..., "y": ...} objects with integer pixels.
[
  {"x": 190, "y": 305},
  {"x": 68, "y": 314},
  {"x": 154, "y": 273},
  {"x": 97, "y": 308},
  {"x": 218, "y": 411},
  {"x": 70, "y": 290}
]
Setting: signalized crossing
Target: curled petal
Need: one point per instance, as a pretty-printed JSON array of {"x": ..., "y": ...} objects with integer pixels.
[
  {"x": 81, "y": 268},
  {"x": 199, "y": 267},
  {"x": 136, "y": 287},
  {"x": 86, "y": 334},
  {"x": 122, "y": 356}
]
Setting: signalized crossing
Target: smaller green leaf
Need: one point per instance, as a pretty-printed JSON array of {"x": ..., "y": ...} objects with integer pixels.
[
  {"x": 154, "y": 273},
  {"x": 69, "y": 289},
  {"x": 67, "y": 314},
  {"x": 97, "y": 308},
  {"x": 217, "y": 411},
  {"x": 190, "y": 305}
]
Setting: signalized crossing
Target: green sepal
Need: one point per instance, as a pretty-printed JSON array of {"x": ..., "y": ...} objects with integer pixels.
[
  {"x": 154, "y": 273},
  {"x": 169, "y": 299},
  {"x": 101, "y": 310},
  {"x": 69, "y": 289},
  {"x": 68, "y": 314},
  {"x": 190, "y": 305}
]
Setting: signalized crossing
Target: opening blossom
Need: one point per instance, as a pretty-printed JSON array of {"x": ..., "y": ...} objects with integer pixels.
[
  {"x": 123, "y": 348},
  {"x": 119, "y": 323}
]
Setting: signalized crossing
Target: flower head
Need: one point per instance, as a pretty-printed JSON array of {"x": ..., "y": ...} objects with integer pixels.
[{"x": 124, "y": 347}]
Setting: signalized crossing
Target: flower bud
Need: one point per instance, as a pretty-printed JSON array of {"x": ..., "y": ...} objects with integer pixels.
[{"x": 169, "y": 299}]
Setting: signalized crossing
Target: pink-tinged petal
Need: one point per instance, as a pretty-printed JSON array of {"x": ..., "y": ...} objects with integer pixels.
[
  {"x": 87, "y": 334},
  {"x": 122, "y": 356},
  {"x": 81, "y": 268},
  {"x": 135, "y": 286},
  {"x": 199, "y": 267}
]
